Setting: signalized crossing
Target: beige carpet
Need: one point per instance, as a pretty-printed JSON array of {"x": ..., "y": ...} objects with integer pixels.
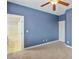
[{"x": 51, "y": 51}]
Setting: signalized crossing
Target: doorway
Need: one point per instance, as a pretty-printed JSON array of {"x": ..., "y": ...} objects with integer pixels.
[
  {"x": 62, "y": 31},
  {"x": 15, "y": 33}
]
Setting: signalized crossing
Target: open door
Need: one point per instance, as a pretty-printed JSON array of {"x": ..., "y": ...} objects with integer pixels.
[{"x": 15, "y": 30}]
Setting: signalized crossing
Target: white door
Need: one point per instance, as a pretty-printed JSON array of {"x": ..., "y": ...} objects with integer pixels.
[
  {"x": 62, "y": 31},
  {"x": 15, "y": 33}
]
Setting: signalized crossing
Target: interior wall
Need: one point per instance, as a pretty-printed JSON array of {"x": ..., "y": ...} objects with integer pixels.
[
  {"x": 67, "y": 17},
  {"x": 39, "y": 27},
  {"x": 68, "y": 26},
  {"x": 62, "y": 17}
]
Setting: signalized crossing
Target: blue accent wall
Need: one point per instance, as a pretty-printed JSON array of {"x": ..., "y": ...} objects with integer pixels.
[
  {"x": 68, "y": 27},
  {"x": 62, "y": 17},
  {"x": 41, "y": 25}
]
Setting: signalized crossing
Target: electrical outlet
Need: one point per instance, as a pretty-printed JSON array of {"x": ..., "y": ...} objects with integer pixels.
[
  {"x": 46, "y": 40},
  {"x": 43, "y": 40},
  {"x": 68, "y": 42},
  {"x": 27, "y": 31}
]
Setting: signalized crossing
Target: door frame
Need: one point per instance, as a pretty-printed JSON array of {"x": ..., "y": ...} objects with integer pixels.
[
  {"x": 62, "y": 28},
  {"x": 21, "y": 23}
]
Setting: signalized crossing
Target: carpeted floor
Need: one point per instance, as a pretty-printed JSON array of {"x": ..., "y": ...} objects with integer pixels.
[{"x": 51, "y": 51}]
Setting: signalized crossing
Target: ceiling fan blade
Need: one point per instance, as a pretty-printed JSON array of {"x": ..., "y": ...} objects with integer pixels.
[
  {"x": 45, "y": 4},
  {"x": 54, "y": 7},
  {"x": 63, "y": 3}
]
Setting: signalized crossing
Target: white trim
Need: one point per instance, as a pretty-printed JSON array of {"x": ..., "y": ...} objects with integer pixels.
[
  {"x": 42, "y": 44},
  {"x": 22, "y": 31},
  {"x": 15, "y": 15},
  {"x": 68, "y": 46}
]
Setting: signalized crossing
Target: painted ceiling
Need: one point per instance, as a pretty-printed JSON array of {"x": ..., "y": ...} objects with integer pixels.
[{"x": 35, "y": 4}]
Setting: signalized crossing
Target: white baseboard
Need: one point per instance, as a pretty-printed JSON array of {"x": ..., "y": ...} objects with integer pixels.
[
  {"x": 46, "y": 44},
  {"x": 42, "y": 44},
  {"x": 68, "y": 46}
]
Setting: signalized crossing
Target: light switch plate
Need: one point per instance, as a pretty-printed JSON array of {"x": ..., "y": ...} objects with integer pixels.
[{"x": 27, "y": 31}]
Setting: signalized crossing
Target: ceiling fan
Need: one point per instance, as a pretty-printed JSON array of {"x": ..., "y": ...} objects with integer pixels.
[{"x": 54, "y": 2}]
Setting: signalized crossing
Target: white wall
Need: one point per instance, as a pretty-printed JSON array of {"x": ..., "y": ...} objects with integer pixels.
[{"x": 62, "y": 31}]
